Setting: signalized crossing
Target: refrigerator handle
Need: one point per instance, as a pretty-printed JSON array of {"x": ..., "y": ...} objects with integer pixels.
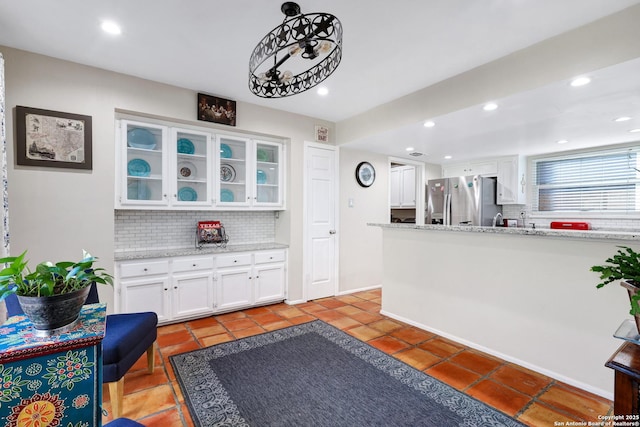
[{"x": 447, "y": 209}]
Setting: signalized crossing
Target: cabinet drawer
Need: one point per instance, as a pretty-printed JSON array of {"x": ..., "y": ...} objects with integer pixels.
[
  {"x": 144, "y": 268},
  {"x": 266, "y": 257},
  {"x": 233, "y": 260},
  {"x": 193, "y": 264}
]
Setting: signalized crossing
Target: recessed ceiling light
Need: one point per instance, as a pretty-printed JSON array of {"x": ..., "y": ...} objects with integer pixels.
[
  {"x": 580, "y": 81},
  {"x": 409, "y": 148},
  {"x": 429, "y": 124},
  {"x": 490, "y": 106},
  {"x": 562, "y": 141},
  {"x": 111, "y": 27},
  {"x": 634, "y": 130},
  {"x": 448, "y": 157},
  {"x": 622, "y": 119},
  {"x": 323, "y": 90}
]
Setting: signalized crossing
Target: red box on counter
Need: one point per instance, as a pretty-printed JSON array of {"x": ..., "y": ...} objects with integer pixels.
[{"x": 570, "y": 225}]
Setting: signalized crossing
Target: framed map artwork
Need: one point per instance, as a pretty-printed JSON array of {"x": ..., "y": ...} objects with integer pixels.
[{"x": 52, "y": 139}]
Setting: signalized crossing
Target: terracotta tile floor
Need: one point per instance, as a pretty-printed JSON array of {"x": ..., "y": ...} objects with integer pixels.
[{"x": 156, "y": 401}]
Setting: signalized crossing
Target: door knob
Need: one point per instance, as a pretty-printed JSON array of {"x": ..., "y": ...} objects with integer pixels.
[{"x": 332, "y": 231}]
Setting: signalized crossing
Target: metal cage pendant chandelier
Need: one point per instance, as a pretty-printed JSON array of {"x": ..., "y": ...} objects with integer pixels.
[{"x": 309, "y": 44}]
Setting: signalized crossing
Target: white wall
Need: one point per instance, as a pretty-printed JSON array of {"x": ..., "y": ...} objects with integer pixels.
[
  {"x": 55, "y": 213},
  {"x": 360, "y": 245},
  {"x": 529, "y": 299}
]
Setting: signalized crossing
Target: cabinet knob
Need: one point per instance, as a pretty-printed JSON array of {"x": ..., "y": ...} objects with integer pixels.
[
  {"x": 235, "y": 260},
  {"x": 166, "y": 289},
  {"x": 144, "y": 269},
  {"x": 175, "y": 287},
  {"x": 195, "y": 265}
]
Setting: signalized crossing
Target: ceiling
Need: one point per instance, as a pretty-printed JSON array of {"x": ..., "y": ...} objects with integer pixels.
[{"x": 390, "y": 49}]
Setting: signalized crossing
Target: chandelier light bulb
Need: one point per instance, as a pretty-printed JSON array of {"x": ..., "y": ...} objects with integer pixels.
[
  {"x": 325, "y": 47},
  {"x": 295, "y": 50},
  {"x": 287, "y": 76}
]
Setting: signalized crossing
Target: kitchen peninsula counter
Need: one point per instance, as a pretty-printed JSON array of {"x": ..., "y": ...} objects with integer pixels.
[
  {"x": 523, "y": 295},
  {"x": 574, "y": 234},
  {"x": 126, "y": 255}
]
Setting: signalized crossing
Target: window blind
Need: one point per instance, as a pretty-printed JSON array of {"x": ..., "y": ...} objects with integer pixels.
[{"x": 605, "y": 181}]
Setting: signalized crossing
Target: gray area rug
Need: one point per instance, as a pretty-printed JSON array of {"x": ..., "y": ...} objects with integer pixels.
[{"x": 316, "y": 375}]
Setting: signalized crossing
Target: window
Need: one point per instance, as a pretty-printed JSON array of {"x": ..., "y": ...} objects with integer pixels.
[{"x": 596, "y": 182}]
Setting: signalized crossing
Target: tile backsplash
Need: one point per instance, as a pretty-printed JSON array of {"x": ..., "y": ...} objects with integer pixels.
[{"x": 149, "y": 230}]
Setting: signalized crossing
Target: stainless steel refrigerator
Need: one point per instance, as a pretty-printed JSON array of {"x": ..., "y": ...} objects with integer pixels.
[{"x": 464, "y": 200}]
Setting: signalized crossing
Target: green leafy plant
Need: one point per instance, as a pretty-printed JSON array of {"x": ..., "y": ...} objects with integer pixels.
[
  {"x": 48, "y": 278},
  {"x": 624, "y": 265}
]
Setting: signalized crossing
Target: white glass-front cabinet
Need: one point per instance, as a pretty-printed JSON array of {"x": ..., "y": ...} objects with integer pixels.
[
  {"x": 143, "y": 162},
  {"x": 193, "y": 163},
  {"x": 250, "y": 172},
  {"x": 234, "y": 167},
  {"x": 268, "y": 174},
  {"x": 170, "y": 167}
]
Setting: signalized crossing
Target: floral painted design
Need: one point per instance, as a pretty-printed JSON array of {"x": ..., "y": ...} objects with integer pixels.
[
  {"x": 40, "y": 410},
  {"x": 34, "y": 385},
  {"x": 33, "y": 369},
  {"x": 68, "y": 369},
  {"x": 81, "y": 401},
  {"x": 11, "y": 383}
]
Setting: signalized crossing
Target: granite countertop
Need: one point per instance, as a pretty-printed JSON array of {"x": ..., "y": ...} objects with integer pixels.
[
  {"x": 575, "y": 234},
  {"x": 125, "y": 255}
]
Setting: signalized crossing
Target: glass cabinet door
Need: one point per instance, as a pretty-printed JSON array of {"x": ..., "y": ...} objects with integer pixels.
[
  {"x": 268, "y": 179},
  {"x": 193, "y": 165},
  {"x": 233, "y": 184},
  {"x": 144, "y": 163}
]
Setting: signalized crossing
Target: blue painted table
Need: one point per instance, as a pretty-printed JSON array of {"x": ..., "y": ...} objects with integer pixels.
[{"x": 56, "y": 380}]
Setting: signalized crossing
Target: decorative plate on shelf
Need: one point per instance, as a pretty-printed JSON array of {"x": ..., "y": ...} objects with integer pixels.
[
  {"x": 187, "y": 194},
  {"x": 225, "y": 151},
  {"x": 138, "y": 167},
  {"x": 262, "y": 155},
  {"x": 185, "y": 146},
  {"x": 141, "y": 138},
  {"x": 137, "y": 190},
  {"x": 261, "y": 177},
  {"x": 227, "y": 173},
  {"x": 226, "y": 195},
  {"x": 187, "y": 170}
]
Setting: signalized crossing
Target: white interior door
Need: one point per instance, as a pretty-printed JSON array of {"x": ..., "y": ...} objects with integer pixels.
[{"x": 321, "y": 241}]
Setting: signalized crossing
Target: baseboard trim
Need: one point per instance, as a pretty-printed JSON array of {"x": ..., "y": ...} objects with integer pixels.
[
  {"x": 524, "y": 364},
  {"x": 353, "y": 291}
]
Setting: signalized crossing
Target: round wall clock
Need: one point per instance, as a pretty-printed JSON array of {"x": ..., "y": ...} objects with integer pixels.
[{"x": 365, "y": 174}]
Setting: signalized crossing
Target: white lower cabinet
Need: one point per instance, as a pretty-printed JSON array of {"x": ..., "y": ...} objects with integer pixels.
[
  {"x": 245, "y": 279},
  {"x": 181, "y": 288},
  {"x": 269, "y": 276},
  {"x": 192, "y": 282}
]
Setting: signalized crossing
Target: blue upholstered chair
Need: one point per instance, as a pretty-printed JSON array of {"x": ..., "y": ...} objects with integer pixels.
[
  {"x": 127, "y": 337},
  {"x": 123, "y": 422}
]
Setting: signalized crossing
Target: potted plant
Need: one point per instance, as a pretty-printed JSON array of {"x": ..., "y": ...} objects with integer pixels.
[
  {"x": 52, "y": 295},
  {"x": 623, "y": 266}
]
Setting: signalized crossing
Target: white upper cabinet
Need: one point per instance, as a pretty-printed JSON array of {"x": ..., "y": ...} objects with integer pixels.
[
  {"x": 192, "y": 161},
  {"x": 484, "y": 167},
  {"x": 160, "y": 166},
  {"x": 512, "y": 181},
  {"x": 268, "y": 190},
  {"x": 143, "y": 164},
  {"x": 234, "y": 166},
  {"x": 403, "y": 187}
]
